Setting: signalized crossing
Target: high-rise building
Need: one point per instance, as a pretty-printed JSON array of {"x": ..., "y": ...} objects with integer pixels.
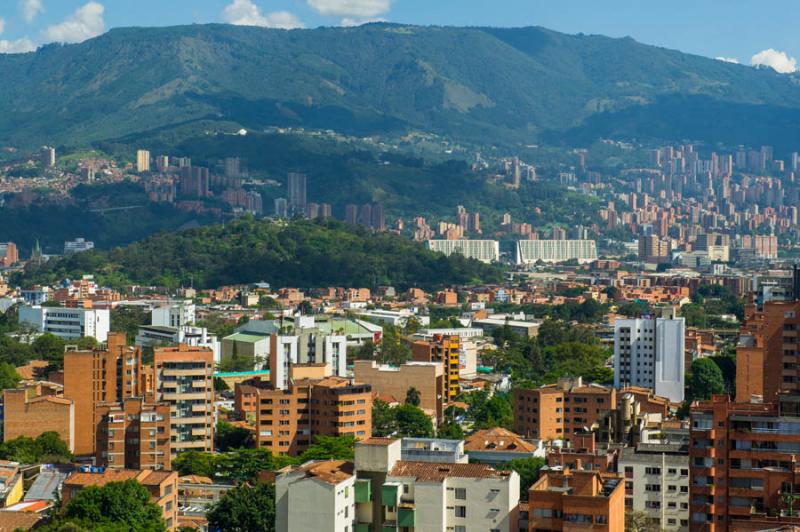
[
  {"x": 233, "y": 167},
  {"x": 533, "y": 251},
  {"x": 9, "y": 255},
  {"x": 482, "y": 250},
  {"x": 142, "y": 161},
  {"x": 444, "y": 349},
  {"x": 133, "y": 434},
  {"x": 281, "y": 208},
  {"x": 649, "y": 352},
  {"x": 394, "y": 381},
  {"x": 183, "y": 377},
  {"x": 297, "y": 190},
  {"x": 162, "y": 163},
  {"x": 655, "y": 250},
  {"x": 47, "y": 156},
  {"x": 109, "y": 375},
  {"x": 743, "y": 464}
]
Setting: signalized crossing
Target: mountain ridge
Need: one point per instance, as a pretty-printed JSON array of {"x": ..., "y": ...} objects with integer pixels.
[{"x": 507, "y": 85}]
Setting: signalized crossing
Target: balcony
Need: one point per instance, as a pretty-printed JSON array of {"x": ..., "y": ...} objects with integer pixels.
[
  {"x": 406, "y": 516},
  {"x": 390, "y": 494},
  {"x": 362, "y": 527},
  {"x": 363, "y": 491}
]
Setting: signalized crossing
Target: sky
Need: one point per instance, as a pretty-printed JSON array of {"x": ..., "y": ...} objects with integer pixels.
[{"x": 745, "y": 31}]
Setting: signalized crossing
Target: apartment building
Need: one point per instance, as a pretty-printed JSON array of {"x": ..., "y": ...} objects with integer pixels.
[
  {"x": 162, "y": 485},
  {"x": 68, "y": 323},
  {"x": 183, "y": 377},
  {"x": 142, "y": 161},
  {"x": 743, "y": 464},
  {"x": 768, "y": 352},
  {"x": 394, "y": 382},
  {"x": 133, "y": 434},
  {"x": 557, "y": 411},
  {"x": 482, "y": 250},
  {"x": 444, "y": 349},
  {"x": 106, "y": 375},
  {"x": 288, "y": 419},
  {"x": 50, "y": 412},
  {"x": 649, "y": 352},
  {"x": 657, "y": 483},
  {"x": 532, "y": 251},
  {"x": 396, "y": 494},
  {"x": 577, "y": 500},
  {"x": 331, "y": 487}
]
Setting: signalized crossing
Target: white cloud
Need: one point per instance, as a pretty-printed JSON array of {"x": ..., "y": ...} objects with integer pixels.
[
  {"x": 727, "y": 60},
  {"x": 86, "y": 22},
  {"x": 351, "y": 9},
  {"x": 779, "y": 61},
  {"x": 18, "y": 46},
  {"x": 30, "y": 8},
  {"x": 246, "y": 13}
]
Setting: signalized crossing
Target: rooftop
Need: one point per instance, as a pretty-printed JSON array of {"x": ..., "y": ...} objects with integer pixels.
[
  {"x": 438, "y": 472},
  {"x": 498, "y": 439}
]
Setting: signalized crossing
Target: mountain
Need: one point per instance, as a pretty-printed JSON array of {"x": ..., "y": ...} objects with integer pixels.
[
  {"x": 481, "y": 84},
  {"x": 300, "y": 253}
]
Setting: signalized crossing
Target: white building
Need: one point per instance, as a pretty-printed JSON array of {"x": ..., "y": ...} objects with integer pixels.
[
  {"x": 317, "y": 496},
  {"x": 154, "y": 335},
  {"x": 649, "y": 352},
  {"x": 657, "y": 483},
  {"x": 398, "y": 318},
  {"x": 174, "y": 315},
  {"x": 533, "y": 251},
  {"x": 142, "y": 161},
  {"x": 482, "y": 250},
  {"x": 68, "y": 323},
  {"x": 78, "y": 245}
]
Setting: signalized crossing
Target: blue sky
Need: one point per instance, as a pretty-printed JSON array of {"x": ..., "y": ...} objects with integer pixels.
[{"x": 737, "y": 29}]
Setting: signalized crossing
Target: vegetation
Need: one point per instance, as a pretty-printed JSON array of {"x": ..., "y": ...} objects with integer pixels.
[
  {"x": 245, "y": 509},
  {"x": 302, "y": 253},
  {"x": 528, "y": 470},
  {"x": 488, "y": 412},
  {"x": 48, "y": 447},
  {"x": 115, "y": 507},
  {"x": 709, "y": 303},
  {"x": 229, "y": 437},
  {"x": 505, "y": 84},
  {"x": 405, "y": 420},
  {"x": 705, "y": 380}
]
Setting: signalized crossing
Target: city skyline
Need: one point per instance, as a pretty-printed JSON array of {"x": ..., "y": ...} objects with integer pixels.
[{"x": 747, "y": 35}]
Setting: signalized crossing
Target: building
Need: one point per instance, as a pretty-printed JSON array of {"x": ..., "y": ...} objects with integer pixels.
[
  {"x": 47, "y": 156},
  {"x": 183, "y": 377},
  {"x": 142, "y": 161},
  {"x": 77, "y": 246},
  {"x": 68, "y": 323},
  {"x": 498, "y": 446},
  {"x": 577, "y": 500},
  {"x": 50, "y": 412},
  {"x": 281, "y": 209},
  {"x": 162, "y": 485},
  {"x": 394, "y": 382},
  {"x": 657, "y": 483},
  {"x": 133, "y": 434},
  {"x": 558, "y": 411},
  {"x": 109, "y": 375},
  {"x": 288, "y": 419},
  {"x": 297, "y": 185},
  {"x": 532, "y": 251},
  {"x": 233, "y": 167},
  {"x": 434, "y": 450},
  {"x": 444, "y": 349},
  {"x": 394, "y": 494},
  {"x": 744, "y": 465},
  {"x": 768, "y": 351},
  {"x": 649, "y": 352},
  {"x": 654, "y": 250},
  {"x": 482, "y": 250},
  {"x": 331, "y": 487},
  {"x": 529, "y": 329},
  {"x": 9, "y": 255}
]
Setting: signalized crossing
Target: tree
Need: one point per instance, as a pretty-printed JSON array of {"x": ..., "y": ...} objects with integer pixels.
[
  {"x": 637, "y": 521},
  {"x": 331, "y": 448},
  {"x": 245, "y": 509},
  {"x": 196, "y": 463},
  {"x": 384, "y": 422},
  {"x": 412, "y": 396},
  {"x": 486, "y": 412},
  {"x": 9, "y": 378},
  {"x": 229, "y": 437},
  {"x": 450, "y": 431},
  {"x": 122, "y": 506},
  {"x": 705, "y": 380},
  {"x": 47, "y": 447},
  {"x": 412, "y": 422},
  {"x": 50, "y": 347},
  {"x": 528, "y": 471}
]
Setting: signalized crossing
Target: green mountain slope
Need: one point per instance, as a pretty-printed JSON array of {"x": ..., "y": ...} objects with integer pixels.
[
  {"x": 300, "y": 253},
  {"x": 514, "y": 85}
]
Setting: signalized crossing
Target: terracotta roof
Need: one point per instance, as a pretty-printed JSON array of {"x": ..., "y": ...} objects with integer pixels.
[
  {"x": 377, "y": 441},
  {"x": 51, "y": 399},
  {"x": 11, "y": 521},
  {"x": 497, "y": 439},
  {"x": 196, "y": 479},
  {"x": 330, "y": 471},
  {"x": 439, "y": 472},
  {"x": 144, "y": 477}
]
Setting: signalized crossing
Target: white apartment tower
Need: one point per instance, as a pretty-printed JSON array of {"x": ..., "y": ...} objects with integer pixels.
[{"x": 649, "y": 352}]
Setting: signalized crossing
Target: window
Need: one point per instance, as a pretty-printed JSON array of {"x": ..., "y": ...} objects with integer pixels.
[
  {"x": 459, "y": 528},
  {"x": 461, "y": 493},
  {"x": 461, "y": 511},
  {"x": 405, "y": 488}
]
